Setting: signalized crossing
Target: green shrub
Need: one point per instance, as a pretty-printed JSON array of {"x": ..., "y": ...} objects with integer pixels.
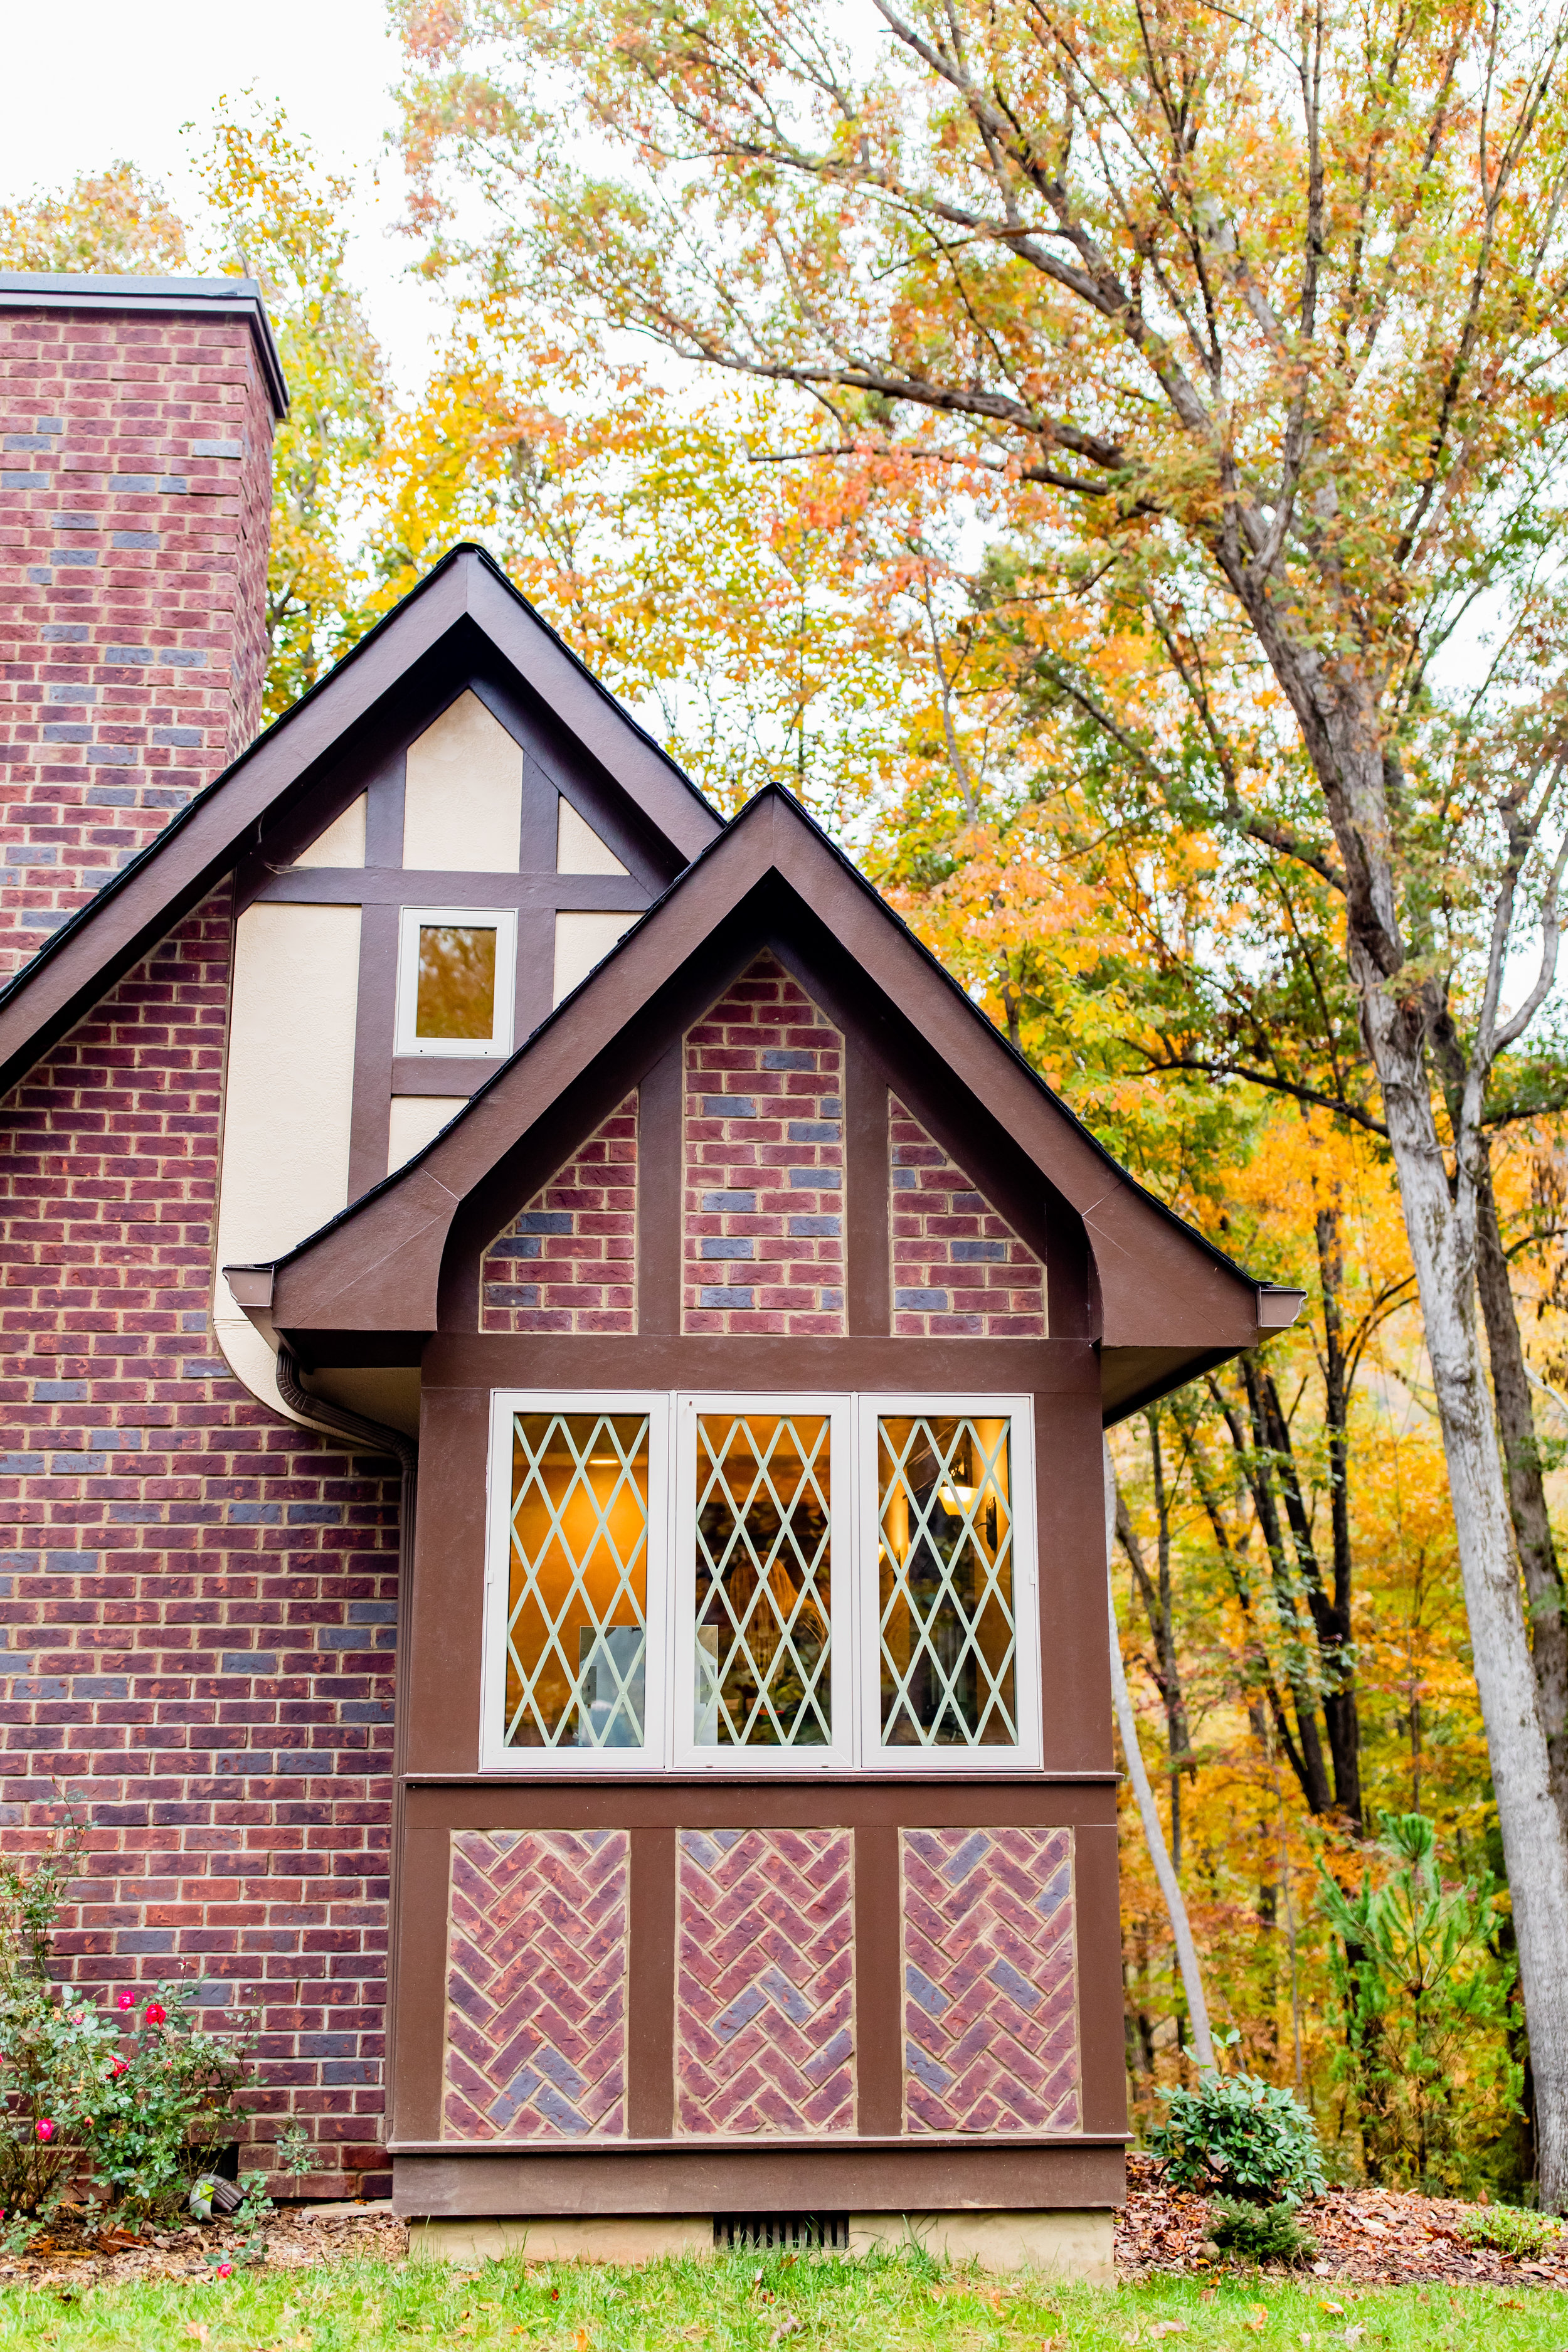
[
  {"x": 1426, "y": 2001},
  {"x": 138, "y": 2094},
  {"x": 164, "y": 2108},
  {"x": 1237, "y": 2135},
  {"x": 1510, "y": 2230},
  {"x": 1261, "y": 2233}
]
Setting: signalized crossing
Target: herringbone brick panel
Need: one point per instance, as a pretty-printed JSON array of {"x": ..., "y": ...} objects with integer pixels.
[
  {"x": 764, "y": 1987},
  {"x": 990, "y": 1991},
  {"x": 536, "y": 1985}
]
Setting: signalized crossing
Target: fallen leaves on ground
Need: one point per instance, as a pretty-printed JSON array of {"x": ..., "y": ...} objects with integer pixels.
[
  {"x": 77, "y": 2249},
  {"x": 1366, "y": 2237}
]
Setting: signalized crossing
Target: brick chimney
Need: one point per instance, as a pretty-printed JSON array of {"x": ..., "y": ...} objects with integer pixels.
[{"x": 136, "y": 422}]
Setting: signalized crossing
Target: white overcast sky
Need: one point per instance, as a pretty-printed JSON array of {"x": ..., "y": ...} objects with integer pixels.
[{"x": 98, "y": 79}]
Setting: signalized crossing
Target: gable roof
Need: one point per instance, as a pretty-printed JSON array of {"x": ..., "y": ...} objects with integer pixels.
[
  {"x": 1170, "y": 1303},
  {"x": 465, "y": 603}
]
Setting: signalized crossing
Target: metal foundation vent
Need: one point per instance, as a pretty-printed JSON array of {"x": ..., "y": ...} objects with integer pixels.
[{"x": 782, "y": 2229}]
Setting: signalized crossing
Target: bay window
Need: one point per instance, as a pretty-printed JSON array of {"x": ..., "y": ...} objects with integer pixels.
[{"x": 769, "y": 1583}]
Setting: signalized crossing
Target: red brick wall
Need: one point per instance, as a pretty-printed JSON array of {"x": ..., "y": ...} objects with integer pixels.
[
  {"x": 959, "y": 1270},
  {"x": 568, "y": 1261},
  {"x": 764, "y": 1247},
  {"x": 197, "y": 1600},
  {"x": 135, "y": 466}
]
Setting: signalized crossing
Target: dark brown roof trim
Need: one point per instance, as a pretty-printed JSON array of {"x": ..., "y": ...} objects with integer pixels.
[
  {"x": 191, "y": 298},
  {"x": 140, "y": 904},
  {"x": 995, "y": 1039},
  {"x": 1124, "y": 1221}
]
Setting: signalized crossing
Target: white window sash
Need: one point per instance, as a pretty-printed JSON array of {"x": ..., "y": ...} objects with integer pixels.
[
  {"x": 497, "y": 1045},
  {"x": 495, "y": 1755},
  {"x": 669, "y": 1683},
  {"x": 960, "y": 1404},
  {"x": 840, "y": 1756}
]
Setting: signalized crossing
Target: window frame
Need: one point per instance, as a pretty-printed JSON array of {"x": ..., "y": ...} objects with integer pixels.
[
  {"x": 495, "y": 1755},
  {"x": 668, "y": 1675},
  {"x": 1026, "y": 1754},
  {"x": 686, "y": 1755},
  {"x": 497, "y": 1045}
]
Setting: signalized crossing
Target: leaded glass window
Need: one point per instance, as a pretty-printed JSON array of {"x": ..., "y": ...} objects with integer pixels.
[
  {"x": 763, "y": 1585},
  {"x": 946, "y": 1623},
  {"x": 576, "y": 1624}
]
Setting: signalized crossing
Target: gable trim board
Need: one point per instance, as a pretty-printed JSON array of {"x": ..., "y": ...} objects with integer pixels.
[
  {"x": 466, "y": 593},
  {"x": 383, "y": 1272}
]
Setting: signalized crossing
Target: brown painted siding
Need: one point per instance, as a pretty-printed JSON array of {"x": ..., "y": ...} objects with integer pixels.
[
  {"x": 196, "y": 1598},
  {"x": 959, "y": 1269},
  {"x": 135, "y": 492},
  {"x": 568, "y": 1261},
  {"x": 763, "y": 1228}
]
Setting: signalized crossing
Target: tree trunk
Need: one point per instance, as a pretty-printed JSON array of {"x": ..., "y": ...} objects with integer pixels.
[
  {"x": 1342, "y": 1716},
  {"x": 1331, "y": 1623},
  {"x": 1441, "y": 1232},
  {"x": 1526, "y": 1493},
  {"x": 1259, "y": 1469},
  {"x": 1149, "y": 1812},
  {"x": 1158, "y": 1609}
]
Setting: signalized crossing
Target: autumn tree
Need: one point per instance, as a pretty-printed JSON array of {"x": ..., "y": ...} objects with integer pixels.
[
  {"x": 277, "y": 214},
  {"x": 1276, "y": 294},
  {"x": 117, "y": 220}
]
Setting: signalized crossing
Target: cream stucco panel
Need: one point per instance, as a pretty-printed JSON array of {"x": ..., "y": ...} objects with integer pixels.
[
  {"x": 287, "y": 1100},
  {"x": 415, "y": 1120},
  {"x": 342, "y": 844},
  {"x": 462, "y": 808},
  {"x": 578, "y": 848},
  {"x": 580, "y": 942}
]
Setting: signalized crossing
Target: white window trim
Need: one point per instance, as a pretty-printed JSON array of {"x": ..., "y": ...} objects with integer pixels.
[
  {"x": 671, "y": 1589},
  {"x": 495, "y": 1756},
  {"x": 497, "y": 1045},
  {"x": 967, "y": 1404},
  {"x": 840, "y": 1757}
]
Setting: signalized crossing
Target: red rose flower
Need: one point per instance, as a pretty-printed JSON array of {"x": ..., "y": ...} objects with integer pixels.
[
  {"x": 127, "y": 2001},
  {"x": 156, "y": 2013},
  {"x": 44, "y": 2128}
]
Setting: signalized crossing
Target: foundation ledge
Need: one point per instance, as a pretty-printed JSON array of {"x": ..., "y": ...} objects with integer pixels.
[{"x": 1076, "y": 2243}]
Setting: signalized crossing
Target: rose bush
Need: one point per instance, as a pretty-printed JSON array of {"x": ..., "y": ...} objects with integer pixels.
[{"x": 139, "y": 2103}]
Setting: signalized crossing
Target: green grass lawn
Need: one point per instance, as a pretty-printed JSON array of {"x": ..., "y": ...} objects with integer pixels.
[{"x": 751, "y": 2304}]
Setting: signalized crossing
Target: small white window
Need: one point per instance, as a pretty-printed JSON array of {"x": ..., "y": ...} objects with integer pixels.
[
  {"x": 761, "y": 1583},
  {"x": 456, "y": 980}
]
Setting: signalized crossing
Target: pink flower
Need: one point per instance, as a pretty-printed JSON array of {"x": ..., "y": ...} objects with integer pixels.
[
  {"x": 45, "y": 2129},
  {"x": 127, "y": 2001},
  {"x": 226, "y": 2269},
  {"x": 156, "y": 2013}
]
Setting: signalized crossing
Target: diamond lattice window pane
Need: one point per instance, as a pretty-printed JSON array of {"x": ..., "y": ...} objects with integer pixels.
[
  {"x": 764, "y": 1533},
  {"x": 948, "y": 1637},
  {"x": 576, "y": 1641}
]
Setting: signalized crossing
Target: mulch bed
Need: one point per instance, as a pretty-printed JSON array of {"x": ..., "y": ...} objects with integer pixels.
[
  {"x": 78, "y": 2253},
  {"x": 1366, "y": 2237}
]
